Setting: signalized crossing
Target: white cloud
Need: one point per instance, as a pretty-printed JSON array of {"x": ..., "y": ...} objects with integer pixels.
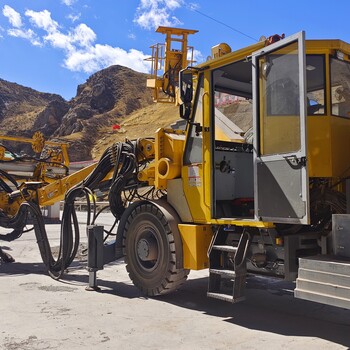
[
  {"x": 80, "y": 37},
  {"x": 25, "y": 34},
  {"x": 74, "y": 18},
  {"x": 198, "y": 56},
  {"x": 59, "y": 40},
  {"x": 42, "y": 20},
  {"x": 173, "y": 4},
  {"x": 193, "y": 6},
  {"x": 101, "y": 56},
  {"x": 13, "y": 16},
  {"x": 153, "y": 13},
  {"x": 78, "y": 44},
  {"x": 83, "y": 35},
  {"x": 15, "y": 20},
  {"x": 68, "y": 2},
  {"x": 132, "y": 36}
]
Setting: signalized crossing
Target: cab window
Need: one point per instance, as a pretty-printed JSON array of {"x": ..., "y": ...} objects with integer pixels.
[
  {"x": 340, "y": 88},
  {"x": 315, "y": 81}
]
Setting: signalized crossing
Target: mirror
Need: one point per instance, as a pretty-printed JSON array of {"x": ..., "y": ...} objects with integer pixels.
[
  {"x": 186, "y": 92},
  {"x": 186, "y": 85}
]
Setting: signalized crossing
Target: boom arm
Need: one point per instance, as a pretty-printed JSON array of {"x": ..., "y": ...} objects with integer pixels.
[{"x": 115, "y": 172}]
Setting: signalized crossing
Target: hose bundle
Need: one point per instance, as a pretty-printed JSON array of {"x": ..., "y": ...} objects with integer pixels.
[{"x": 119, "y": 158}]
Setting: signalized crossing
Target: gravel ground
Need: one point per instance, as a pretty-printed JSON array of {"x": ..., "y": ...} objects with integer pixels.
[{"x": 38, "y": 312}]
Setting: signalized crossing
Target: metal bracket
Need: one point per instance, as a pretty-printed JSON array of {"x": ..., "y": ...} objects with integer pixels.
[{"x": 95, "y": 254}]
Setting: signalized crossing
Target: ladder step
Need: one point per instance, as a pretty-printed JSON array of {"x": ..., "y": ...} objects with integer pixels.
[
  {"x": 322, "y": 298},
  {"x": 223, "y": 273},
  {"x": 225, "y": 248},
  {"x": 224, "y": 297}
]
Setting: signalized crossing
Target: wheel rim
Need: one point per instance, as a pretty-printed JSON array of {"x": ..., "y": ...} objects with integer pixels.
[{"x": 147, "y": 247}]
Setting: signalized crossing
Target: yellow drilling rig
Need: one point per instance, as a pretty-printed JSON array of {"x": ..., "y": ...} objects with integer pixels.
[{"x": 252, "y": 180}]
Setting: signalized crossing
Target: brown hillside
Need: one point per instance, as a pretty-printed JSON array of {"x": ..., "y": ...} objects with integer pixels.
[
  {"x": 113, "y": 96},
  {"x": 142, "y": 123},
  {"x": 106, "y": 98},
  {"x": 20, "y": 107},
  {"x": 111, "y": 93}
]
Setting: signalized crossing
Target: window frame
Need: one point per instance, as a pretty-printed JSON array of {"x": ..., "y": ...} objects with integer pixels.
[{"x": 190, "y": 125}]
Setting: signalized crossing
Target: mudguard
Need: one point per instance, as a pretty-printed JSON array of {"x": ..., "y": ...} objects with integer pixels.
[{"x": 172, "y": 218}]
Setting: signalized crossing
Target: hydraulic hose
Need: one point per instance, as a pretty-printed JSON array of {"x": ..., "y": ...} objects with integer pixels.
[{"x": 120, "y": 158}]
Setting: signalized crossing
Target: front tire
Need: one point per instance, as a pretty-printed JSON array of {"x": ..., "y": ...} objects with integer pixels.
[{"x": 150, "y": 251}]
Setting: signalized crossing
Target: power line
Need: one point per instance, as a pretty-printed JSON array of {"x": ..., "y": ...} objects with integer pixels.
[{"x": 222, "y": 23}]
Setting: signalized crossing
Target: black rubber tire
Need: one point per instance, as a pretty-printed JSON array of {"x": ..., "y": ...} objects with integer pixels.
[{"x": 160, "y": 275}]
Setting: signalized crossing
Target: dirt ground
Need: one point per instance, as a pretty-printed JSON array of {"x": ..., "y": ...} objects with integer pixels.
[{"x": 38, "y": 312}]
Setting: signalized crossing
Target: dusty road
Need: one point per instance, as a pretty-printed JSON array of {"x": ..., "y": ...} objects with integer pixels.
[{"x": 38, "y": 312}]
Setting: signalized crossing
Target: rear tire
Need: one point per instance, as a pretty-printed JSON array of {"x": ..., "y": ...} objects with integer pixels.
[{"x": 150, "y": 251}]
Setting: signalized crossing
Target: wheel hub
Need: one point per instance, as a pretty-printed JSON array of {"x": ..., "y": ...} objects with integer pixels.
[{"x": 147, "y": 249}]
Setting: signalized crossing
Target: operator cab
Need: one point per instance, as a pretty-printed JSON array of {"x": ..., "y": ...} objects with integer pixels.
[{"x": 252, "y": 123}]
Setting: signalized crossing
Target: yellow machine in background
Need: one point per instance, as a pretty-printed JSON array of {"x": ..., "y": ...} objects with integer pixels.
[
  {"x": 168, "y": 59},
  {"x": 248, "y": 181}
]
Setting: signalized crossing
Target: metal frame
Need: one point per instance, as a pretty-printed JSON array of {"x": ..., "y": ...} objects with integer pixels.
[{"x": 300, "y": 39}]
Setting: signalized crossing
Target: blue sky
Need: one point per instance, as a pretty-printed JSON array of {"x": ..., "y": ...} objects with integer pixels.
[{"x": 54, "y": 45}]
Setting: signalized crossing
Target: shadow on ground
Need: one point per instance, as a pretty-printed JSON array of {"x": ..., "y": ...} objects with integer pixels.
[
  {"x": 76, "y": 275},
  {"x": 269, "y": 307}
]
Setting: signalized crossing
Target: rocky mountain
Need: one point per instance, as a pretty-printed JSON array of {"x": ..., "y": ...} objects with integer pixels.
[
  {"x": 105, "y": 99},
  {"x": 107, "y": 95},
  {"x": 21, "y": 106}
]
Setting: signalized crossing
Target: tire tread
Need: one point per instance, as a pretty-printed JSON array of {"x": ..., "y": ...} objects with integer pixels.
[{"x": 174, "y": 277}]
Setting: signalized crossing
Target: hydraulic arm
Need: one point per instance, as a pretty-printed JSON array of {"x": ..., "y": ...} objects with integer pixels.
[{"x": 114, "y": 174}]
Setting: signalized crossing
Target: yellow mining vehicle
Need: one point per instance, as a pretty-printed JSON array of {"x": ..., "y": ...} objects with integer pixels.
[{"x": 251, "y": 180}]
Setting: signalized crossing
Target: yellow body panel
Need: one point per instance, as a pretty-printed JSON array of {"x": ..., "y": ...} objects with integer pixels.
[
  {"x": 242, "y": 222},
  {"x": 195, "y": 242},
  {"x": 55, "y": 192},
  {"x": 169, "y": 147},
  {"x": 279, "y": 138},
  {"x": 192, "y": 176},
  {"x": 220, "y": 50},
  {"x": 340, "y": 146},
  {"x": 319, "y": 146},
  {"x": 196, "y": 177}
]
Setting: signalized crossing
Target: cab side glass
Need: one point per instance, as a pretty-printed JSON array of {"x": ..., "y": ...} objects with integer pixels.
[{"x": 340, "y": 80}]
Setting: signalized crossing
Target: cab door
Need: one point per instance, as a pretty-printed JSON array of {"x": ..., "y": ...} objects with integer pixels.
[{"x": 281, "y": 185}]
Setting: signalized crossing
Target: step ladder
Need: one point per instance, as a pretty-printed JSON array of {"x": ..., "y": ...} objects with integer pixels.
[
  {"x": 228, "y": 270},
  {"x": 324, "y": 279}
]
